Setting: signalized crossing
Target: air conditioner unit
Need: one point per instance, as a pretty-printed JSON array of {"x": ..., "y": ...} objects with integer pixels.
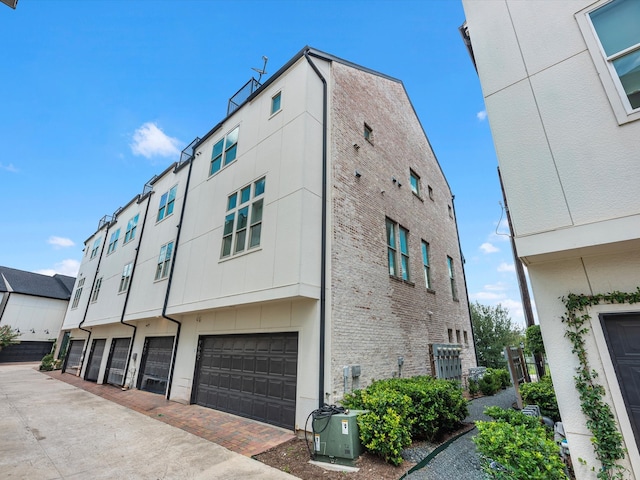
[{"x": 336, "y": 438}]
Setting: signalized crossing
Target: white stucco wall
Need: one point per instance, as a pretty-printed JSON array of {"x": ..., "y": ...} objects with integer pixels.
[{"x": 27, "y": 312}]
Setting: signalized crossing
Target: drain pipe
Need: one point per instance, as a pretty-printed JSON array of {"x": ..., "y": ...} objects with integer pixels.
[
  {"x": 126, "y": 298},
  {"x": 323, "y": 240},
  {"x": 464, "y": 277},
  {"x": 166, "y": 297},
  {"x": 86, "y": 311}
]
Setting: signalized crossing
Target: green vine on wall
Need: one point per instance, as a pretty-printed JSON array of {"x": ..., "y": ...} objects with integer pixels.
[{"x": 607, "y": 440}]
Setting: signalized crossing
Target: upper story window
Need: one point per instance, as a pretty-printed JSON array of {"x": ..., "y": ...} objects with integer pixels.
[
  {"x": 96, "y": 246},
  {"x": 617, "y": 26},
  {"x": 96, "y": 290},
  {"x": 132, "y": 224},
  {"x": 368, "y": 133},
  {"x": 167, "y": 202},
  {"x": 452, "y": 278},
  {"x": 414, "y": 179},
  {"x": 125, "y": 279},
  {"x": 276, "y": 101},
  {"x": 78, "y": 294},
  {"x": 113, "y": 241},
  {"x": 397, "y": 249},
  {"x": 224, "y": 151},
  {"x": 425, "y": 264},
  {"x": 164, "y": 261},
  {"x": 243, "y": 221}
]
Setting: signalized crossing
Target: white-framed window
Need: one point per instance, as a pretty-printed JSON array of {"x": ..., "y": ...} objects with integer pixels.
[
  {"x": 96, "y": 247},
  {"x": 167, "y": 202},
  {"x": 224, "y": 151},
  {"x": 414, "y": 180},
  {"x": 96, "y": 290},
  {"x": 276, "y": 103},
  {"x": 78, "y": 294},
  {"x": 425, "y": 264},
  {"x": 125, "y": 279},
  {"x": 243, "y": 220},
  {"x": 611, "y": 31},
  {"x": 368, "y": 133},
  {"x": 452, "y": 278},
  {"x": 113, "y": 241},
  {"x": 164, "y": 261},
  {"x": 397, "y": 250},
  {"x": 132, "y": 225}
]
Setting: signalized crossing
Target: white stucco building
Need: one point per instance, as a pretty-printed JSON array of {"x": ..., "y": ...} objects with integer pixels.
[
  {"x": 561, "y": 83},
  {"x": 304, "y": 246}
]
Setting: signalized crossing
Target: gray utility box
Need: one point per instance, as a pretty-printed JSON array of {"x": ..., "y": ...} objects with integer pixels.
[{"x": 336, "y": 438}]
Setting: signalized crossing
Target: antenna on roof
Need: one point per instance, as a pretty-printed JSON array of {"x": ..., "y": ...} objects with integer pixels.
[{"x": 264, "y": 68}]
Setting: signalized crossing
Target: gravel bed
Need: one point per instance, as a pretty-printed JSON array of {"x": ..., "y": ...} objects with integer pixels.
[{"x": 459, "y": 459}]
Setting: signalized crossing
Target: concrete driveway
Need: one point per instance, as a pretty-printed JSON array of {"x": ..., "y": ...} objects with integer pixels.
[{"x": 51, "y": 430}]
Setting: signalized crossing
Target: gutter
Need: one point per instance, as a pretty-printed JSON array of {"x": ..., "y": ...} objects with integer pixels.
[
  {"x": 126, "y": 299},
  {"x": 169, "y": 281},
  {"x": 86, "y": 311},
  {"x": 323, "y": 240}
]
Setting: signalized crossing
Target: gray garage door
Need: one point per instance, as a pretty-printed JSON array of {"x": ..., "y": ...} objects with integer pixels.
[
  {"x": 117, "y": 361},
  {"x": 95, "y": 359},
  {"x": 25, "y": 352},
  {"x": 252, "y": 376},
  {"x": 73, "y": 357},
  {"x": 155, "y": 364}
]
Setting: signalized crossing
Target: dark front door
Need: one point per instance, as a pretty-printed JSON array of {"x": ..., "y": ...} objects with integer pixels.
[
  {"x": 95, "y": 359},
  {"x": 74, "y": 355},
  {"x": 155, "y": 364},
  {"x": 622, "y": 333},
  {"x": 117, "y": 361},
  {"x": 253, "y": 376}
]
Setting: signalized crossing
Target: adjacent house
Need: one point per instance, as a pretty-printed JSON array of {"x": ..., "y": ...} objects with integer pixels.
[
  {"x": 561, "y": 83},
  {"x": 34, "y": 305},
  {"x": 303, "y": 247}
]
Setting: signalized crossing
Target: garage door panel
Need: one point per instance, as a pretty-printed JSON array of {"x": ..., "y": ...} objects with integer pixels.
[{"x": 253, "y": 376}]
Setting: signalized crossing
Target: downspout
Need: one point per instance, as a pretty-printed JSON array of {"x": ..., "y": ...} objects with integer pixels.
[
  {"x": 323, "y": 240},
  {"x": 464, "y": 277},
  {"x": 166, "y": 297},
  {"x": 126, "y": 298},
  {"x": 86, "y": 311}
]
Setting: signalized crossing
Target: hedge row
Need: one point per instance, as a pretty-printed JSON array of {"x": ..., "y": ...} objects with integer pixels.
[{"x": 404, "y": 409}]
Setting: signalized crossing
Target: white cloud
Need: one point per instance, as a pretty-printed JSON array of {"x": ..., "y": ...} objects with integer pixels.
[
  {"x": 496, "y": 287},
  {"x": 482, "y": 115},
  {"x": 486, "y": 296},
  {"x": 506, "y": 267},
  {"x": 9, "y": 168},
  {"x": 68, "y": 267},
  {"x": 149, "y": 141},
  {"x": 489, "y": 248},
  {"x": 60, "y": 242}
]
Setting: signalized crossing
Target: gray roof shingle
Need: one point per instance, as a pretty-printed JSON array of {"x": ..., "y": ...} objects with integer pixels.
[{"x": 29, "y": 283}]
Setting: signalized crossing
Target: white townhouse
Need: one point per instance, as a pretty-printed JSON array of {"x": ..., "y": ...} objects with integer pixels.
[
  {"x": 561, "y": 84},
  {"x": 303, "y": 247}
]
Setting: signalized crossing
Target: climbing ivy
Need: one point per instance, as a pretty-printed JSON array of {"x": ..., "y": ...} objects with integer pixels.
[{"x": 607, "y": 440}]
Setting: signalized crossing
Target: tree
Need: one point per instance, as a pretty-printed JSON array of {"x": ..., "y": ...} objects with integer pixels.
[
  {"x": 8, "y": 336},
  {"x": 534, "y": 346},
  {"x": 493, "y": 330}
]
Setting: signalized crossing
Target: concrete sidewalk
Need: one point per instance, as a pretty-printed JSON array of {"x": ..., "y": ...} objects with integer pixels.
[{"x": 51, "y": 430}]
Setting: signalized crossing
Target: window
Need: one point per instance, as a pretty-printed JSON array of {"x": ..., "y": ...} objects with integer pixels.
[
  {"x": 450, "y": 334},
  {"x": 452, "y": 278},
  {"x": 397, "y": 242},
  {"x": 125, "y": 278},
  {"x": 368, "y": 133},
  {"x": 243, "y": 221},
  {"x": 425, "y": 264},
  {"x": 458, "y": 336},
  {"x": 466, "y": 338},
  {"x": 164, "y": 261},
  {"x": 275, "y": 102},
  {"x": 113, "y": 242},
  {"x": 76, "y": 298},
  {"x": 96, "y": 246},
  {"x": 450, "y": 211},
  {"x": 616, "y": 26},
  {"x": 430, "y": 192},
  {"x": 167, "y": 202},
  {"x": 132, "y": 224},
  {"x": 224, "y": 151},
  {"x": 96, "y": 290},
  {"x": 415, "y": 182}
]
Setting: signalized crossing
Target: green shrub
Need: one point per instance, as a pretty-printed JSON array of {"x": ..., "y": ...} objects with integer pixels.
[
  {"x": 513, "y": 417},
  {"x": 48, "y": 363},
  {"x": 524, "y": 452},
  {"x": 503, "y": 376},
  {"x": 473, "y": 387},
  {"x": 542, "y": 394}
]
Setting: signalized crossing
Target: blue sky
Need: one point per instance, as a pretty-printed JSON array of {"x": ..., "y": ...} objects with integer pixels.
[{"x": 98, "y": 96}]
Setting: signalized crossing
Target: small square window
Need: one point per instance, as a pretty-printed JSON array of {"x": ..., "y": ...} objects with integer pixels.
[
  {"x": 275, "y": 103},
  {"x": 368, "y": 133}
]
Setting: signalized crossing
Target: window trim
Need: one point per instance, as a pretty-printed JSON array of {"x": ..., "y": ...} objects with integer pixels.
[
  {"x": 222, "y": 156},
  {"x": 96, "y": 290},
  {"x": 606, "y": 71},
  {"x": 96, "y": 246},
  {"x": 426, "y": 266},
  {"x": 78, "y": 294},
  {"x": 418, "y": 191},
  {"x": 163, "y": 265},
  {"x": 166, "y": 203},
  {"x": 113, "y": 242},
  {"x": 125, "y": 278},
  {"x": 132, "y": 226},
  {"x": 368, "y": 133},
  {"x": 273, "y": 98},
  {"x": 452, "y": 278},
  {"x": 232, "y": 232},
  {"x": 398, "y": 257}
]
